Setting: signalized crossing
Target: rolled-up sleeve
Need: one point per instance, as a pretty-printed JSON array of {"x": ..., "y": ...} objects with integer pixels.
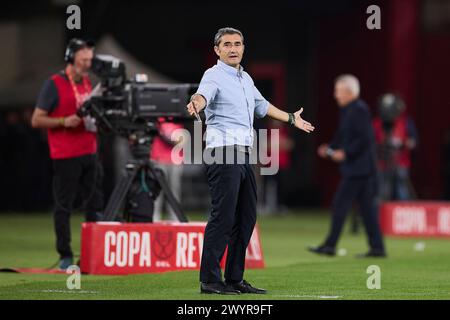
[
  {"x": 261, "y": 104},
  {"x": 208, "y": 86}
]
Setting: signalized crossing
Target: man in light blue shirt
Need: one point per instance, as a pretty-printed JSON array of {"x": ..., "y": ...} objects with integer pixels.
[{"x": 230, "y": 100}]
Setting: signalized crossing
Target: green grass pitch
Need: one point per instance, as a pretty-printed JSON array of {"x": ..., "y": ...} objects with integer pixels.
[{"x": 291, "y": 272}]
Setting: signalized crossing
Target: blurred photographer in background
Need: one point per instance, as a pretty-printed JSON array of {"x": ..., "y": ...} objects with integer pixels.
[
  {"x": 72, "y": 142},
  {"x": 396, "y": 137}
]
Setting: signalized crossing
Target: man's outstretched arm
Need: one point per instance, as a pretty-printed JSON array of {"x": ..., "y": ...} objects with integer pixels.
[{"x": 280, "y": 115}]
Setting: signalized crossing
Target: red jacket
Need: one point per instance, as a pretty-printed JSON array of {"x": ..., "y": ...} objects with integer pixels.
[{"x": 74, "y": 142}]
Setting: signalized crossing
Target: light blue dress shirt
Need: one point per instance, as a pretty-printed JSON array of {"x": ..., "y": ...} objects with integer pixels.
[{"x": 231, "y": 102}]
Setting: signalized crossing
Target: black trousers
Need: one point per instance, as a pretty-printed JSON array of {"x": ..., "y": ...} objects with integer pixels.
[
  {"x": 363, "y": 191},
  {"x": 231, "y": 221},
  {"x": 79, "y": 176}
]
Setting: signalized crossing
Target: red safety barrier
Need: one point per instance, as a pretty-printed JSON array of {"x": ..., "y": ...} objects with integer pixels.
[
  {"x": 125, "y": 248},
  {"x": 415, "y": 218}
]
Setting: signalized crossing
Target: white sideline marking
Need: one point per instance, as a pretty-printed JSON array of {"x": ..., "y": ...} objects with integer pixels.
[
  {"x": 62, "y": 291},
  {"x": 306, "y": 296}
]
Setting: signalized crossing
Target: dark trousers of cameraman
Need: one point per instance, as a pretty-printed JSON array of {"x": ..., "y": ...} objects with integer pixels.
[{"x": 75, "y": 176}]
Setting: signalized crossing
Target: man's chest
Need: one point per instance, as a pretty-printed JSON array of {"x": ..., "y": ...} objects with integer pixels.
[{"x": 236, "y": 95}]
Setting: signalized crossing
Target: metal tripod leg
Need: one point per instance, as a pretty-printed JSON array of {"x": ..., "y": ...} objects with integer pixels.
[
  {"x": 120, "y": 192},
  {"x": 159, "y": 176}
]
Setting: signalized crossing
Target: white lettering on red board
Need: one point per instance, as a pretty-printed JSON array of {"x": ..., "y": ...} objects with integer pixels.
[
  {"x": 122, "y": 248},
  {"x": 188, "y": 244},
  {"x": 131, "y": 248},
  {"x": 409, "y": 220},
  {"x": 444, "y": 221}
]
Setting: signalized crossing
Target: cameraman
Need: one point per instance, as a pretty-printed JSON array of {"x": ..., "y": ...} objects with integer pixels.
[
  {"x": 396, "y": 136},
  {"x": 73, "y": 143}
]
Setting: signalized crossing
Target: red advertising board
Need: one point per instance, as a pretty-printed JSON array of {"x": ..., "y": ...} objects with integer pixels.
[
  {"x": 415, "y": 218},
  {"x": 126, "y": 248}
]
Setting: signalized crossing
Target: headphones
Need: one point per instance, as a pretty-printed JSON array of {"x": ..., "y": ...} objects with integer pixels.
[{"x": 74, "y": 45}]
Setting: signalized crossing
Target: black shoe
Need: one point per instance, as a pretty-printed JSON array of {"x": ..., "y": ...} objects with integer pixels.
[
  {"x": 217, "y": 288},
  {"x": 373, "y": 254},
  {"x": 245, "y": 287},
  {"x": 325, "y": 250},
  {"x": 65, "y": 263}
]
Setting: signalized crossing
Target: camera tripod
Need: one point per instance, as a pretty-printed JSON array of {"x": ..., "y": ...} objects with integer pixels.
[
  {"x": 392, "y": 174},
  {"x": 140, "y": 185}
]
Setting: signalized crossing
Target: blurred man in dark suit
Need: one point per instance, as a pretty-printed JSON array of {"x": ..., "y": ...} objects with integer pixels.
[{"x": 353, "y": 147}]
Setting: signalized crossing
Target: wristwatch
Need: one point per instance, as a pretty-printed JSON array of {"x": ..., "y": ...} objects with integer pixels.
[
  {"x": 329, "y": 152},
  {"x": 291, "y": 119}
]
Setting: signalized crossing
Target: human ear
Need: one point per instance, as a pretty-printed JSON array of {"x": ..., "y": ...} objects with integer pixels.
[{"x": 217, "y": 50}]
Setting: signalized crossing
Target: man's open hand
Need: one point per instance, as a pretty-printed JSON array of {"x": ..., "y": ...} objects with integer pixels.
[{"x": 302, "y": 124}]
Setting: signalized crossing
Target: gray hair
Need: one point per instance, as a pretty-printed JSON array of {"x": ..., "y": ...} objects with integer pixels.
[
  {"x": 351, "y": 82},
  {"x": 223, "y": 31}
]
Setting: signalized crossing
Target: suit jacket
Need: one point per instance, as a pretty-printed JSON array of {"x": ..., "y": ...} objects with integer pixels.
[{"x": 356, "y": 137}]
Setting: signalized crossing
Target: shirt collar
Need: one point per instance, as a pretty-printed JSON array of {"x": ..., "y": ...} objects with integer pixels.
[{"x": 229, "y": 69}]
